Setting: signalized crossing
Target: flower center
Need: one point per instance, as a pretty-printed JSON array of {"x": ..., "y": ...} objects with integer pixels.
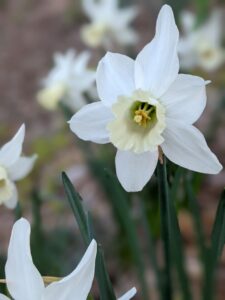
[
  {"x": 143, "y": 113},
  {"x": 138, "y": 124}
]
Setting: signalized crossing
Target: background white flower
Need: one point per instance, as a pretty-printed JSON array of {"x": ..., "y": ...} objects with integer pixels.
[
  {"x": 69, "y": 79},
  {"x": 202, "y": 46},
  {"x": 109, "y": 23},
  {"x": 13, "y": 167},
  {"x": 146, "y": 104},
  {"x": 24, "y": 280}
]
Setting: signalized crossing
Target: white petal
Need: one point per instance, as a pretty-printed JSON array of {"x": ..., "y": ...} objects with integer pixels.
[
  {"x": 157, "y": 65},
  {"x": 78, "y": 284},
  {"x": 135, "y": 170},
  {"x": 115, "y": 77},
  {"x": 185, "y": 99},
  {"x": 90, "y": 123},
  {"x": 130, "y": 294},
  {"x": 23, "y": 279},
  {"x": 12, "y": 201},
  {"x": 185, "y": 145},
  {"x": 11, "y": 151},
  {"x": 3, "y": 297},
  {"x": 22, "y": 167}
]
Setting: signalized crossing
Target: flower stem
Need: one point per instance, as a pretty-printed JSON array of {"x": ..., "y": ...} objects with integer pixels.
[{"x": 165, "y": 232}]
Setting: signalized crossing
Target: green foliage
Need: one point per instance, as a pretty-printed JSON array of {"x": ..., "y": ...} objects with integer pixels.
[
  {"x": 120, "y": 201},
  {"x": 104, "y": 283}
]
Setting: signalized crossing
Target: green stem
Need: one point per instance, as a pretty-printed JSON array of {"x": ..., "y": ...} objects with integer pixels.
[
  {"x": 165, "y": 225},
  {"x": 151, "y": 248}
]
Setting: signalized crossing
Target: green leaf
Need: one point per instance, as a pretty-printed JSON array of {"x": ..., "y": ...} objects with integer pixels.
[
  {"x": 166, "y": 232},
  {"x": 176, "y": 240},
  {"x": 84, "y": 221},
  {"x": 151, "y": 247},
  {"x": 194, "y": 208},
  {"x": 178, "y": 254},
  {"x": 105, "y": 285},
  {"x": 217, "y": 244},
  {"x": 76, "y": 205},
  {"x": 203, "y": 249},
  {"x": 218, "y": 232},
  {"x": 119, "y": 200}
]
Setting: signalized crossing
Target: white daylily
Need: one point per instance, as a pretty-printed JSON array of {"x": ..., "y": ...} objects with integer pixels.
[
  {"x": 109, "y": 23},
  {"x": 24, "y": 281},
  {"x": 145, "y": 104},
  {"x": 69, "y": 79},
  {"x": 202, "y": 46},
  {"x": 13, "y": 167}
]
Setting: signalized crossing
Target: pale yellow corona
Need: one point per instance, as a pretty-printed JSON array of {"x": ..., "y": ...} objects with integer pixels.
[{"x": 138, "y": 124}]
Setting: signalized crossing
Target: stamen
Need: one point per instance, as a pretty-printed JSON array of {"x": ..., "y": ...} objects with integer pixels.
[
  {"x": 143, "y": 113},
  {"x": 46, "y": 279}
]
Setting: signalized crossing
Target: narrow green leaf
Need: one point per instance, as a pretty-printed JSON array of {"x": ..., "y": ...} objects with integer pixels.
[
  {"x": 194, "y": 208},
  {"x": 203, "y": 250},
  {"x": 176, "y": 240},
  {"x": 217, "y": 244},
  {"x": 119, "y": 200},
  {"x": 218, "y": 232},
  {"x": 105, "y": 285},
  {"x": 178, "y": 255},
  {"x": 76, "y": 206},
  {"x": 165, "y": 217},
  {"x": 84, "y": 221},
  {"x": 176, "y": 183},
  {"x": 151, "y": 248}
]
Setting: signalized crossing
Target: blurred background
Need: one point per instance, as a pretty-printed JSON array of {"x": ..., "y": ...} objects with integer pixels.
[{"x": 31, "y": 32}]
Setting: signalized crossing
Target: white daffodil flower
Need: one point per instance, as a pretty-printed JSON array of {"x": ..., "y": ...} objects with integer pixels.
[
  {"x": 109, "y": 23},
  {"x": 69, "y": 79},
  {"x": 202, "y": 46},
  {"x": 24, "y": 280},
  {"x": 146, "y": 106},
  {"x": 13, "y": 167}
]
